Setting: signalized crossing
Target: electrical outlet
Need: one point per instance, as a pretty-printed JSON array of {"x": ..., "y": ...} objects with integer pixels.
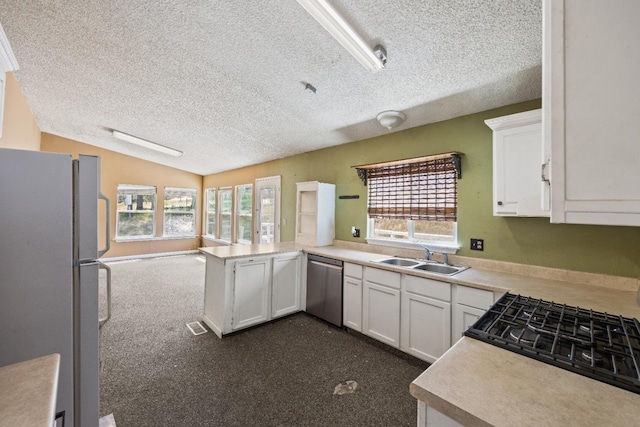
[{"x": 477, "y": 244}]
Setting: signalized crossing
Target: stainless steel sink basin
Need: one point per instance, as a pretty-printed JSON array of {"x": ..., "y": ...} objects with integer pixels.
[
  {"x": 399, "y": 262},
  {"x": 440, "y": 268},
  {"x": 428, "y": 266}
]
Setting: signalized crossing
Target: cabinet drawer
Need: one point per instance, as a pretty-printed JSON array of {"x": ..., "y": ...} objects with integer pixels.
[
  {"x": 382, "y": 277},
  {"x": 428, "y": 287},
  {"x": 474, "y": 297},
  {"x": 353, "y": 270}
]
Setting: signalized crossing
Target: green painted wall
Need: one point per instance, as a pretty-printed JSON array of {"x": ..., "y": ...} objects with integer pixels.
[{"x": 597, "y": 249}]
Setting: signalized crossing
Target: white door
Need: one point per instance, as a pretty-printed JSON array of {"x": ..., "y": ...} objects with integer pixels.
[
  {"x": 286, "y": 285},
  {"x": 426, "y": 326},
  {"x": 464, "y": 317},
  {"x": 381, "y": 313},
  {"x": 267, "y": 220},
  {"x": 353, "y": 303},
  {"x": 251, "y": 292}
]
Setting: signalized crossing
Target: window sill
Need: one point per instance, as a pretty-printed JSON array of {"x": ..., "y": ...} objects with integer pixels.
[
  {"x": 215, "y": 240},
  {"x": 443, "y": 247},
  {"x": 151, "y": 239}
]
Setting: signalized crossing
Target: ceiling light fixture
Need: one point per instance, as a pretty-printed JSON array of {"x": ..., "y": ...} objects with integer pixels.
[
  {"x": 330, "y": 19},
  {"x": 146, "y": 144},
  {"x": 391, "y": 119}
]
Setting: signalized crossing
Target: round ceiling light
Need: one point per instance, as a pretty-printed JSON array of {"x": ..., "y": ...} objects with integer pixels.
[{"x": 391, "y": 119}]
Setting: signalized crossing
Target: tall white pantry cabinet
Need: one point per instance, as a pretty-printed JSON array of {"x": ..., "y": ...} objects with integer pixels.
[
  {"x": 315, "y": 213},
  {"x": 591, "y": 110}
]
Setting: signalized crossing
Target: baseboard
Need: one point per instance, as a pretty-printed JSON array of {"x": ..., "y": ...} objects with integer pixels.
[{"x": 154, "y": 255}]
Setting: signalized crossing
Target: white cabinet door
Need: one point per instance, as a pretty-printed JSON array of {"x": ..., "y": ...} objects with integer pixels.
[
  {"x": 381, "y": 313},
  {"x": 426, "y": 326},
  {"x": 464, "y": 316},
  {"x": 352, "y": 315},
  {"x": 591, "y": 57},
  {"x": 286, "y": 284},
  {"x": 251, "y": 292},
  {"x": 518, "y": 156}
]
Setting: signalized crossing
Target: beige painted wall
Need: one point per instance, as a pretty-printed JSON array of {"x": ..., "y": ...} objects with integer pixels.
[
  {"x": 19, "y": 129},
  {"x": 117, "y": 169},
  {"x": 534, "y": 241}
]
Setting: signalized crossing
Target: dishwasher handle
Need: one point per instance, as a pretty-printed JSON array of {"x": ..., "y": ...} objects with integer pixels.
[{"x": 322, "y": 264}]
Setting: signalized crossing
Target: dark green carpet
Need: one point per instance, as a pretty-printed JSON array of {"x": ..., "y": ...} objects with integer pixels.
[{"x": 156, "y": 373}]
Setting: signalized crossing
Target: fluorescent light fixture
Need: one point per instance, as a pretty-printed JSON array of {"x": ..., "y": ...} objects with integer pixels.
[
  {"x": 335, "y": 24},
  {"x": 147, "y": 144}
]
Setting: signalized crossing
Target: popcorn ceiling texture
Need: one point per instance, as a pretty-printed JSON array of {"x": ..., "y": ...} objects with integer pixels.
[{"x": 224, "y": 81}]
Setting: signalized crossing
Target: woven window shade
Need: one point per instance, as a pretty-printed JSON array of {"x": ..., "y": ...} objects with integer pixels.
[{"x": 417, "y": 189}]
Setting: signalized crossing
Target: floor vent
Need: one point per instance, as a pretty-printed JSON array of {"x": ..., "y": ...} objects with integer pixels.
[{"x": 196, "y": 328}]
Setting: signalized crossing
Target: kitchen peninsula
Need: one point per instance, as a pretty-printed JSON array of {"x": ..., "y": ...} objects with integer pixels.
[{"x": 475, "y": 383}]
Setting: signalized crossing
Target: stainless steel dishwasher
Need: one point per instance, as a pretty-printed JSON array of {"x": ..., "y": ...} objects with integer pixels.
[{"x": 324, "y": 288}]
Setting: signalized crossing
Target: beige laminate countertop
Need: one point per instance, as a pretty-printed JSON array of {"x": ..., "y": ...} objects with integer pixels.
[
  {"x": 28, "y": 392},
  {"x": 239, "y": 251},
  {"x": 611, "y": 297},
  {"x": 478, "y": 384},
  {"x": 481, "y": 385}
]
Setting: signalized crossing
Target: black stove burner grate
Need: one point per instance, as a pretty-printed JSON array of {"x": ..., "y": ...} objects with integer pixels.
[{"x": 598, "y": 345}]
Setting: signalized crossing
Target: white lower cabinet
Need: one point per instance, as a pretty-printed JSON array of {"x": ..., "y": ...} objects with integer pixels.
[
  {"x": 286, "y": 285},
  {"x": 381, "y": 306},
  {"x": 352, "y": 296},
  {"x": 430, "y": 417},
  {"x": 251, "y": 292},
  {"x": 425, "y": 317},
  {"x": 426, "y": 326},
  {"x": 242, "y": 292},
  {"x": 464, "y": 316},
  {"x": 470, "y": 304}
]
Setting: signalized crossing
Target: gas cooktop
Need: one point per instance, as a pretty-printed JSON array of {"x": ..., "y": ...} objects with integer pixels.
[{"x": 598, "y": 345}]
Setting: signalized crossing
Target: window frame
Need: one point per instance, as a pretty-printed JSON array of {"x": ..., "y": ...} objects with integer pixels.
[
  {"x": 238, "y": 213},
  {"x": 133, "y": 189},
  {"x": 188, "y": 192},
  {"x": 224, "y": 191},
  {"x": 206, "y": 213},
  {"x": 430, "y": 184}
]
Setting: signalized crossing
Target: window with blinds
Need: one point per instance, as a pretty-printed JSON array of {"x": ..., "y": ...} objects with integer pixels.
[
  {"x": 413, "y": 200},
  {"x": 421, "y": 190}
]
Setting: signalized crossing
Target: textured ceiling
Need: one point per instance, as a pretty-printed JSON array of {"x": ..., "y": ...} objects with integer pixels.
[{"x": 223, "y": 81}]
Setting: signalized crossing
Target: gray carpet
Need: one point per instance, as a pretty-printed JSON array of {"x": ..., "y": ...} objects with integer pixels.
[{"x": 156, "y": 373}]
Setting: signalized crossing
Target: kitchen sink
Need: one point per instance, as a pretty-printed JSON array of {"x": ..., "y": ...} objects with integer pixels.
[
  {"x": 440, "y": 268},
  {"x": 400, "y": 262},
  {"x": 428, "y": 266}
]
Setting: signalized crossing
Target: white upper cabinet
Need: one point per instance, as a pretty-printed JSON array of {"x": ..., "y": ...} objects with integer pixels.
[
  {"x": 315, "y": 213},
  {"x": 519, "y": 162},
  {"x": 591, "y": 104}
]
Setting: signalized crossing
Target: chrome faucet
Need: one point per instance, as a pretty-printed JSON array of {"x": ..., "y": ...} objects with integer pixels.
[
  {"x": 446, "y": 258},
  {"x": 427, "y": 254}
]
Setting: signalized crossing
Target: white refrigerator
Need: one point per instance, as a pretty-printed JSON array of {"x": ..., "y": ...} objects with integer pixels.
[{"x": 49, "y": 271}]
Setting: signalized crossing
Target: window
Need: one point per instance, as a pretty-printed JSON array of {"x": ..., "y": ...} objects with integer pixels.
[
  {"x": 210, "y": 212},
  {"x": 135, "y": 211},
  {"x": 179, "y": 212},
  {"x": 225, "y": 205},
  {"x": 244, "y": 210},
  {"x": 413, "y": 202}
]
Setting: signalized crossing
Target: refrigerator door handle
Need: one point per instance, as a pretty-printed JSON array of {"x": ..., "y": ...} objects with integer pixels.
[
  {"x": 107, "y": 226},
  {"x": 104, "y": 320}
]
